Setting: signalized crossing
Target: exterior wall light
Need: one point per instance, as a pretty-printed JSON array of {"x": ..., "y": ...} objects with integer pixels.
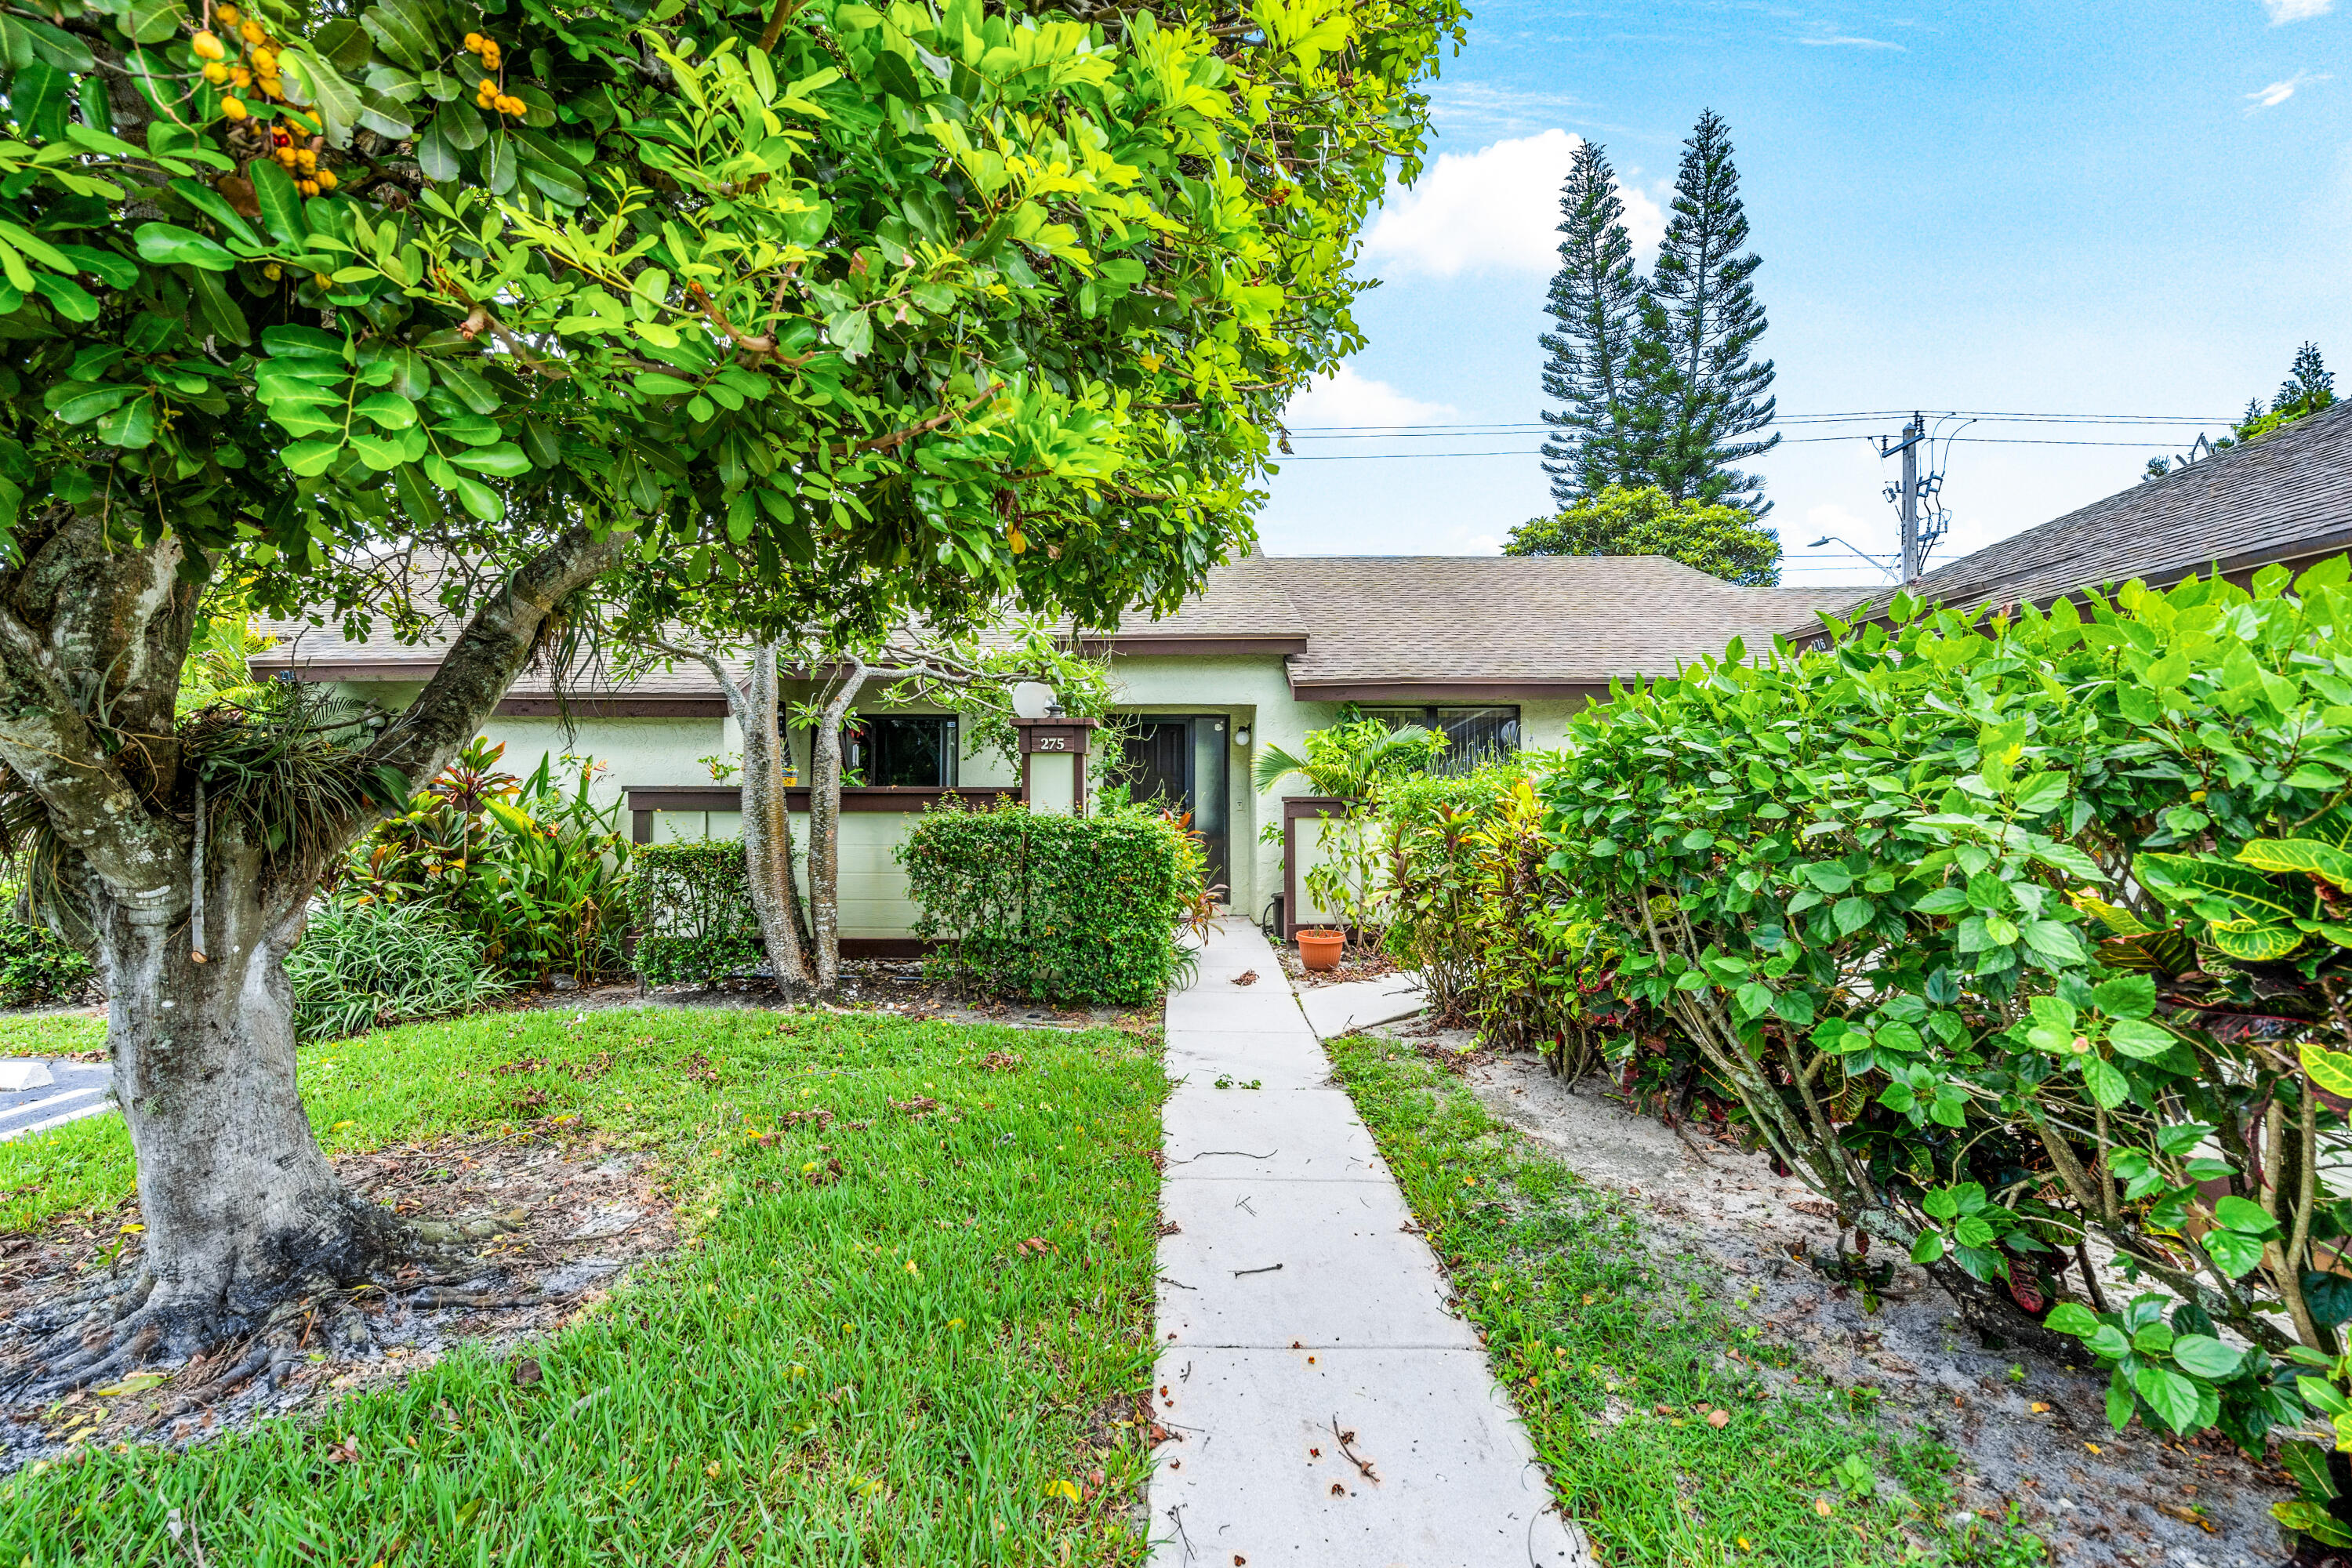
[{"x": 1241, "y": 735}]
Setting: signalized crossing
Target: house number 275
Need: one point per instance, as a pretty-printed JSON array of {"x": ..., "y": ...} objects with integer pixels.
[{"x": 1053, "y": 743}]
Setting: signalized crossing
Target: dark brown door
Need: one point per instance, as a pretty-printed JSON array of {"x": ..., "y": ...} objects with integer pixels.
[{"x": 1160, "y": 762}]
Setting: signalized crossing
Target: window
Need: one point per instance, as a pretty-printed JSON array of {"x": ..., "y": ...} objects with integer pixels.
[
  {"x": 916, "y": 750},
  {"x": 1474, "y": 735}
]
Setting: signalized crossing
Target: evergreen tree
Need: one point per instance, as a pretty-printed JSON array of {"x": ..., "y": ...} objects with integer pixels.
[
  {"x": 1722, "y": 541},
  {"x": 1718, "y": 396},
  {"x": 1596, "y": 298},
  {"x": 2310, "y": 385}
]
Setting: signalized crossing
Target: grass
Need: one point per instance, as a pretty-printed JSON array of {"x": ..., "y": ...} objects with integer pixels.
[
  {"x": 1581, "y": 1320},
  {"x": 862, "y": 1371}
]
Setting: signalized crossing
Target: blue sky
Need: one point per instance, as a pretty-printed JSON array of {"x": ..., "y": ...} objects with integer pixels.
[{"x": 2054, "y": 208}]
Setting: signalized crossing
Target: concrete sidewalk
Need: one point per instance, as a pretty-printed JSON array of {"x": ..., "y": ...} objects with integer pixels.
[{"x": 1329, "y": 1412}]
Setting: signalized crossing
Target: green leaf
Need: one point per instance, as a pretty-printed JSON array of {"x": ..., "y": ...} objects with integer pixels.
[
  {"x": 2245, "y": 1216},
  {"x": 387, "y": 409},
  {"x": 472, "y": 390},
  {"x": 2231, "y": 1253},
  {"x": 2324, "y": 1397},
  {"x": 169, "y": 244},
  {"x": 2107, "y": 1085},
  {"x": 2204, "y": 1356},
  {"x": 2044, "y": 794},
  {"x": 2067, "y": 1318},
  {"x": 131, "y": 425},
  {"x": 2331, "y": 1070},
  {"x": 2139, "y": 1039},
  {"x": 2172, "y": 1396},
  {"x": 478, "y": 498},
  {"x": 310, "y": 80},
  {"x": 310, "y": 459},
  {"x": 2255, "y": 942},
  {"x": 1851, "y": 914},
  {"x": 2312, "y": 1520},
  {"x": 381, "y": 453},
  {"x": 78, "y": 404},
  {"x": 2055, "y": 941},
  {"x": 505, "y": 461},
  {"x": 1927, "y": 1248},
  {"x": 71, "y": 301},
  {"x": 499, "y": 164},
  {"x": 2124, "y": 996},
  {"x": 215, "y": 311},
  {"x": 2309, "y": 856},
  {"x": 2176, "y": 879},
  {"x": 210, "y": 202},
  {"x": 2307, "y": 1463},
  {"x": 280, "y": 203},
  {"x": 151, "y": 21},
  {"x": 111, "y": 268}
]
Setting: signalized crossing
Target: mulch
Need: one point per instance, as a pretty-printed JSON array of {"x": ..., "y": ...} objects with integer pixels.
[{"x": 553, "y": 1220}]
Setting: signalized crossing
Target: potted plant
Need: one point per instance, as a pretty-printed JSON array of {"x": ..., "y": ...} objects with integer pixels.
[{"x": 1319, "y": 947}]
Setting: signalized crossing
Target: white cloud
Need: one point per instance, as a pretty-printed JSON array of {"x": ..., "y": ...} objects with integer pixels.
[
  {"x": 2284, "y": 11},
  {"x": 2278, "y": 93},
  {"x": 1496, "y": 209},
  {"x": 1349, "y": 401},
  {"x": 1850, "y": 43},
  {"x": 1460, "y": 541}
]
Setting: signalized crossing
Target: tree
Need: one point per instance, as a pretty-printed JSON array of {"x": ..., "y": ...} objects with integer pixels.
[
  {"x": 1707, "y": 323},
  {"x": 1596, "y": 298},
  {"x": 814, "y": 315},
  {"x": 1721, "y": 540},
  {"x": 972, "y": 675},
  {"x": 2309, "y": 387}
]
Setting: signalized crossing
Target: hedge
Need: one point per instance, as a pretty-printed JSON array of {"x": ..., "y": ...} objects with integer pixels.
[
  {"x": 36, "y": 966},
  {"x": 690, "y": 913},
  {"x": 2010, "y": 933},
  {"x": 1059, "y": 907}
]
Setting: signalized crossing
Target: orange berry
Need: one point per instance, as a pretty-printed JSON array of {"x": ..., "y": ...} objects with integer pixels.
[
  {"x": 473, "y": 42},
  {"x": 253, "y": 32},
  {"x": 239, "y": 77},
  {"x": 226, "y": 16},
  {"x": 265, "y": 61},
  {"x": 208, "y": 47},
  {"x": 308, "y": 187},
  {"x": 273, "y": 272},
  {"x": 233, "y": 108},
  {"x": 321, "y": 280}
]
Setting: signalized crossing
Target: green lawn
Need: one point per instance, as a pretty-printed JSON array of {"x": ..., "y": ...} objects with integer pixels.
[
  {"x": 1581, "y": 1320},
  {"x": 860, "y": 1371}
]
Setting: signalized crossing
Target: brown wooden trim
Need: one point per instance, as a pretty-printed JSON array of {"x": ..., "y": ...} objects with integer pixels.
[
  {"x": 1131, "y": 645},
  {"x": 1295, "y": 808},
  {"x": 353, "y": 670},
  {"x": 1430, "y": 692},
  {"x": 613, "y": 707},
  {"x": 648, "y": 799}
]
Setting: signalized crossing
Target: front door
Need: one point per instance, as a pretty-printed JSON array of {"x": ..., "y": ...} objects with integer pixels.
[{"x": 1179, "y": 763}]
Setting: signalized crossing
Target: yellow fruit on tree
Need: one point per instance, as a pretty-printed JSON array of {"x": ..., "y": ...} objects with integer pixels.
[
  {"x": 233, "y": 108},
  {"x": 264, "y": 61},
  {"x": 226, "y": 16},
  {"x": 253, "y": 32},
  {"x": 308, "y": 187},
  {"x": 321, "y": 280},
  {"x": 216, "y": 72},
  {"x": 208, "y": 47},
  {"x": 273, "y": 272},
  {"x": 326, "y": 179},
  {"x": 240, "y": 76},
  {"x": 473, "y": 42}
]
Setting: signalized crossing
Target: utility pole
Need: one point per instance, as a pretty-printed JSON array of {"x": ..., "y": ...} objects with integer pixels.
[{"x": 1913, "y": 433}]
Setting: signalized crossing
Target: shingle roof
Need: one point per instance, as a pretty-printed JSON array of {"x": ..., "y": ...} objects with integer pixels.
[
  {"x": 1361, "y": 625},
  {"x": 2282, "y": 495},
  {"x": 1560, "y": 620}
]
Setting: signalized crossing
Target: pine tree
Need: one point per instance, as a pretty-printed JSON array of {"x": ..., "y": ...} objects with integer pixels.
[
  {"x": 2310, "y": 385},
  {"x": 1711, "y": 321},
  {"x": 1596, "y": 298}
]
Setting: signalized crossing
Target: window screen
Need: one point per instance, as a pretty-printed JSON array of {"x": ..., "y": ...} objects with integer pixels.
[
  {"x": 1474, "y": 735},
  {"x": 916, "y": 750}
]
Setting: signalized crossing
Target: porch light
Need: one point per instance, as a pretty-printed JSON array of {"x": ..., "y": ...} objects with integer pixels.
[{"x": 1241, "y": 735}]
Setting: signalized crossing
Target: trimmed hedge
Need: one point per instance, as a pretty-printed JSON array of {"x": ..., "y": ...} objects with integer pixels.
[
  {"x": 1059, "y": 907},
  {"x": 690, "y": 912},
  {"x": 35, "y": 967}
]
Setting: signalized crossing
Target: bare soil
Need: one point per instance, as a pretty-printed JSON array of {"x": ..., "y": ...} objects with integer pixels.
[
  {"x": 1353, "y": 965},
  {"x": 553, "y": 1220},
  {"x": 2028, "y": 1431}
]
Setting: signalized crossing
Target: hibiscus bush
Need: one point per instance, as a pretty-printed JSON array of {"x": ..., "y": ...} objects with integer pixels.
[{"x": 2017, "y": 936}]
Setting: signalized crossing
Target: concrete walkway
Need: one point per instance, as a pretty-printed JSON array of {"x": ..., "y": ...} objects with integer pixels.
[{"x": 1329, "y": 1412}]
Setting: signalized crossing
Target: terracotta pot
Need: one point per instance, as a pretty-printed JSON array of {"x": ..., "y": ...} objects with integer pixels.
[{"x": 1319, "y": 949}]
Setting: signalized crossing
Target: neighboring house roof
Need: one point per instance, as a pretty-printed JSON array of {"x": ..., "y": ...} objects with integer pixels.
[
  {"x": 1362, "y": 629},
  {"x": 2284, "y": 497}
]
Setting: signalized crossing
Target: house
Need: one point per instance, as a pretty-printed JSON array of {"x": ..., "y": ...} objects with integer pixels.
[
  {"x": 2283, "y": 499},
  {"x": 1497, "y": 651}
]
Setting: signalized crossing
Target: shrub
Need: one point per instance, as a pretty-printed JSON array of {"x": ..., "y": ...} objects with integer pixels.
[
  {"x": 36, "y": 966},
  {"x": 530, "y": 868},
  {"x": 363, "y": 966},
  {"x": 690, "y": 912},
  {"x": 2006, "y": 932},
  {"x": 1469, "y": 896},
  {"x": 1062, "y": 908}
]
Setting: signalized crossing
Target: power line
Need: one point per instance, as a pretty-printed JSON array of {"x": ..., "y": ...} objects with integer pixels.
[
  {"x": 1793, "y": 441},
  {"x": 1508, "y": 426}
]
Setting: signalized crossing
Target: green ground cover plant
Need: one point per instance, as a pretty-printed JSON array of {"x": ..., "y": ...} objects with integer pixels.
[
  {"x": 363, "y": 966},
  {"x": 35, "y": 965},
  {"x": 1581, "y": 1320},
  {"x": 861, "y": 1366}
]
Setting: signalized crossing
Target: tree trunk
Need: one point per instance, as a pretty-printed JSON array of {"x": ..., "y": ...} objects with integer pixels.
[
  {"x": 240, "y": 1205},
  {"x": 768, "y": 825},
  {"x": 825, "y": 824}
]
